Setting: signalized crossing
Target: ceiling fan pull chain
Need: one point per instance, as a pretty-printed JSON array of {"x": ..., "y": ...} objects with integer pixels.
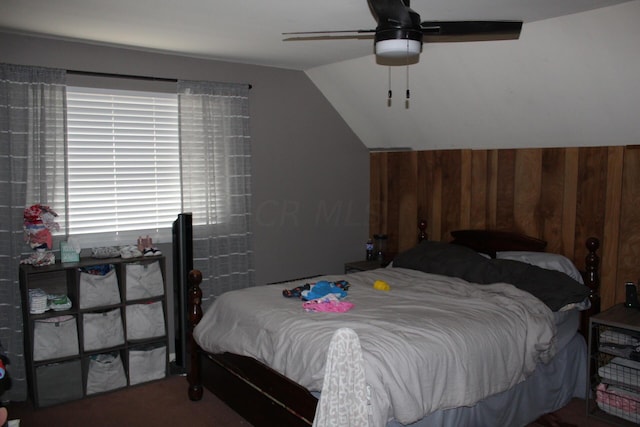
[
  {"x": 389, "y": 93},
  {"x": 408, "y": 94},
  {"x": 407, "y": 68}
]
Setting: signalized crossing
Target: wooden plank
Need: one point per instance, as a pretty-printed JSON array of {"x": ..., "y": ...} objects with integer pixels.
[
  {"x": 435, "y": 224},
  {"x": 526, "y": 192},
  {"x": 479, "y": 194},
  {"x": 628, "y": 246},
  {"x": 551, "y": 199},
  {"x": 465, "y": 189},
  {"x": 492, "y": 189},
  {"x": 451, "y": 184},
  {"x": 612, "y": 206},
  {"x": 407, "y": 204},
  {"x": 569, "y": 205},
  {"x": 378, "y": 192},
  {"x": 425, "y": 188},
  {"x": 395, "y": 163},
  {"x": 505, "y": 190}
]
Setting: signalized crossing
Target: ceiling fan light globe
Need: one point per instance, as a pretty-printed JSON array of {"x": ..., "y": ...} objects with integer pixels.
[{"x": 398, "y": 48}]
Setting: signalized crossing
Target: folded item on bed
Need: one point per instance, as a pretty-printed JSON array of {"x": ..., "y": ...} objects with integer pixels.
[{"x": 552, "y": 287}]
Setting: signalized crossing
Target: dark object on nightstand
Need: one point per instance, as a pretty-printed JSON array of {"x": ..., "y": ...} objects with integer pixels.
[
  {"x": 631, "y": 299},
  {"x": 380, "y": 247}
]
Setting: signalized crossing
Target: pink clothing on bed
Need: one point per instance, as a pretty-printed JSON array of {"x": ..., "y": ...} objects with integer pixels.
[{"x": 328, "y": 303}]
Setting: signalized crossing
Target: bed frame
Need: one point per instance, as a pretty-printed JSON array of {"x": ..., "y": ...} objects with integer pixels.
[{"x": 266, "y": 398}]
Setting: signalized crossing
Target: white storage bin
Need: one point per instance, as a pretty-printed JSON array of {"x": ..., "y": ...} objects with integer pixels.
[
  {"x": 99, "y": 290},
  {"x": 106, "y": 372},
  {"x": 103, "y": 330},
  {"x": 145, "y": 321},
  {"x": 144, "y": 280},
  {"x": 55, "y": 337},
  {"x": 147, "y": 364}
]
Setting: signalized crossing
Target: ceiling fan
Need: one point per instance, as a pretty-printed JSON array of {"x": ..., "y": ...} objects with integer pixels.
[{"x": 400, "y": 33}]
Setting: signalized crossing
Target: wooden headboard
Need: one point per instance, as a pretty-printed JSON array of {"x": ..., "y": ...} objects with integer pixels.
[{"x": 491, "y": 241}]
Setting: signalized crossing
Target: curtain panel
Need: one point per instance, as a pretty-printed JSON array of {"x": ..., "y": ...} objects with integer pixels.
[
  {"x": 32, "y": 141},
  {"x": 215, "y": 150}
]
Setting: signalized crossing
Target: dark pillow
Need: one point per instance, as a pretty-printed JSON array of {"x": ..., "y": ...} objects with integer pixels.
[
  {"x": 446, "y": 259},
  {"x": 552, "y": 287}
]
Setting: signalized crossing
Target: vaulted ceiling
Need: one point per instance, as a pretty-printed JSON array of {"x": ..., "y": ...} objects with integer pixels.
[
  {"x": 571, "y": 78},
  {"x": 249, "y": 31}
]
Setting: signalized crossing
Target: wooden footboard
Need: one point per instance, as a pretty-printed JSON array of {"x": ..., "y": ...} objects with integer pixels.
[{"x": 261, "y": 395}]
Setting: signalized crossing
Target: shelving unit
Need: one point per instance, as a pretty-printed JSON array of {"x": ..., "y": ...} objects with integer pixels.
[
  {"x": 114, "y": 335},
  {"x": 614, "y": 366}
]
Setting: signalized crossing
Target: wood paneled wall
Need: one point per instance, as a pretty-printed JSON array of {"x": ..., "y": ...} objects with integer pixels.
[{"x": 561, "y": 195}]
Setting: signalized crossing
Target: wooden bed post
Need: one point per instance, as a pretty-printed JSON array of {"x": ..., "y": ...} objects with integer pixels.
[
  {"x": 592, "y": 280},
  {"x": 422, "y": 226},
  {"x": 195, "y": 315},
  {"x": 592, "y": 262}
]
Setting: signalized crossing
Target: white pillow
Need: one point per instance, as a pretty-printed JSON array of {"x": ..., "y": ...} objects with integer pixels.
[{"x": 544, "y": 260}]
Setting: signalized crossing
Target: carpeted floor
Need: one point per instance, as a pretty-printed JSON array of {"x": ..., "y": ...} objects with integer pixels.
[
  {"x": 158, "y": 404},
  {"x": 165, "y": 403}
]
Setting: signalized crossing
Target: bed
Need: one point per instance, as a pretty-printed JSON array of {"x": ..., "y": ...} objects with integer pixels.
[{"x": 446, "y": 345}]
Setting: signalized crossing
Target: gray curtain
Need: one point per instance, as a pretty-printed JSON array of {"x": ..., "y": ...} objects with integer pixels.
[
  {"x": 216, "y": 182},
  {"x": 32, "y": 141}
]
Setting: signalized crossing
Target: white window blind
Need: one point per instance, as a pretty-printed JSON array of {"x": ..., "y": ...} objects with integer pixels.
[{"x": 123, "y": 161}]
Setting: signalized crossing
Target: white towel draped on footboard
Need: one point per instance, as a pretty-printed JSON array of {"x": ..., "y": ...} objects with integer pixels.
[{"x": 343, "y": 402}]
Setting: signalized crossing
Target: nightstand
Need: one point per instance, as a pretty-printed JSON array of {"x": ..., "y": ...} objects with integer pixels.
[
  {"x": 614, "y": 365},
  {"x": 355, "y": 266}
]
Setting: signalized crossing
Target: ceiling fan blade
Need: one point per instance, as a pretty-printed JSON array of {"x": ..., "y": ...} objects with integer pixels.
[
  {"x": 330, "y": 32},
  {"x": 453, "y": 31},
  {"x": 330, "y": 37}
]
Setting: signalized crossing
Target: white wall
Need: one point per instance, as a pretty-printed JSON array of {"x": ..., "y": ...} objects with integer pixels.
[{"x": 568, "y": 81}]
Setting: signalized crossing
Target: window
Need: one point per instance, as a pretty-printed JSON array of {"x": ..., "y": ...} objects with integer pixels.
[{"x": 123, "y": 163}]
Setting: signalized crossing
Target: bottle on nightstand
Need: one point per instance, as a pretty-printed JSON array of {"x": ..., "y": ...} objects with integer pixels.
[{"x": 369, "y": 247}]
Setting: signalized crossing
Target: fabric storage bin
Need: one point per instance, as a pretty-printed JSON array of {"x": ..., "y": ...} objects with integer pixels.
[
  {"x": 99, "y": 290},
  {"x": 145, "y": 321},
  {"x": 103, "y": 330},
  {"x": 55, "y": 337},
  {"x": 59, "y": 382},
  {"x": 144, "y": 280},
  {"x": 105, "y": 373},
  {"x": 147, "y": 364}
]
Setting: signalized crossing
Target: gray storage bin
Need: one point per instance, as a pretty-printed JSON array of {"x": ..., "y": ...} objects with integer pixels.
[
  {"x": 103, "y": 330},
  {"x": 105, "y": 373},
  {"x": 144, "y": 281},
  {"x": 55, "y": 337},
  {"x": 99, "y": 290},
  {"x": 145, "y": 321},
  {"x": 147, "y": 364},
  {"x": 59, "y": 382}
]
